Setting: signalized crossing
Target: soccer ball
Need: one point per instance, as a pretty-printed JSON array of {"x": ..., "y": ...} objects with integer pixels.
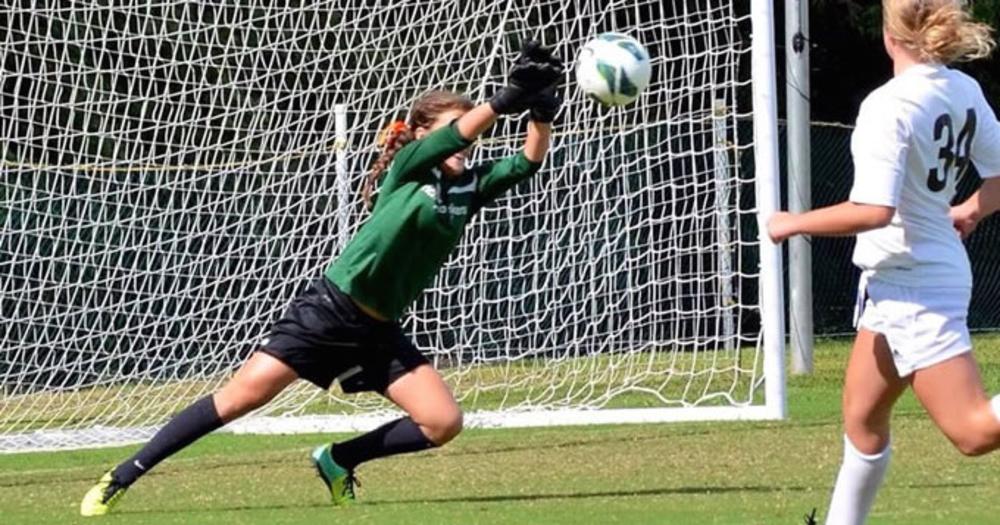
[{"x": 613, "y": 69}]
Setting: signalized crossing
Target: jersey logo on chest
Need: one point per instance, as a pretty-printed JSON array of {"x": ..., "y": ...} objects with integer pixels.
[{"x": 451, "y": 201}]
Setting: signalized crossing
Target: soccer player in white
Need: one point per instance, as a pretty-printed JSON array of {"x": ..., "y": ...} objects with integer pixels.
[{"x": 915, "y": 136}]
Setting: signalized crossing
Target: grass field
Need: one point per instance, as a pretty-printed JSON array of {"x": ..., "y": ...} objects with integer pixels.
[{"x": 705, "y": 473}]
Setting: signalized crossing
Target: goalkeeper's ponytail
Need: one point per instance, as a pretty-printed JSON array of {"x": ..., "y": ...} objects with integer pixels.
[
  {"x": 391, "y": 140},
  {"x": 398, "y": 134}
]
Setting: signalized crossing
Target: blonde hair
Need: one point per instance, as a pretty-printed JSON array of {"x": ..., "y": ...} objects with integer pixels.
[{"x": 940, "y": 31}]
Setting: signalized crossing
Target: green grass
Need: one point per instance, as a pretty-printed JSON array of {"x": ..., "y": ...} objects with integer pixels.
[{"x": 705, "y": 473}]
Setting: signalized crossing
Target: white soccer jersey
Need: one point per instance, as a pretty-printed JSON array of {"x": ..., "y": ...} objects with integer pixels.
[{"x": 914, "y": 138}]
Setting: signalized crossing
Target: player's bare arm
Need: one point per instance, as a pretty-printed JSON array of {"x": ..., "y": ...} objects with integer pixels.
[{"x": 840, "y": 220}]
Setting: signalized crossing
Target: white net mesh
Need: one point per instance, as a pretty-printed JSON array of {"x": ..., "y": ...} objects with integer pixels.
[{"x": 170, "y": 182}]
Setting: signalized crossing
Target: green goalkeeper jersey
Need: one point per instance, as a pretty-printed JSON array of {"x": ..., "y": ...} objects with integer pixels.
[{"x": 418, "y": 220}]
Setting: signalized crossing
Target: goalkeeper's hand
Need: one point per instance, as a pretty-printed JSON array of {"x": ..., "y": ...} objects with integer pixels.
[
  {"x": 535, "y": 70},
  {"x": 545, "y": 106}
]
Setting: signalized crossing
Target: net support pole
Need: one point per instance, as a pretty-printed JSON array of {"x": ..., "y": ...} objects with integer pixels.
[
  {"x": 766, "y": 175},
  {"x": 723, "y": 209},
  {"x": 800, "y": 307},
  {"x": 343, "y": 175}
]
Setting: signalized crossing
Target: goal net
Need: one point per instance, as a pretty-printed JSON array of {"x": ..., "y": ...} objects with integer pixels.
[{"x": 175, "y": 172}]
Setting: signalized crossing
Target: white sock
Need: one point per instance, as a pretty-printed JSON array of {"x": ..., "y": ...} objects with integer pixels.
[
  {"x": 859, "y": 479},
  {"x": 995, "y": 404}
]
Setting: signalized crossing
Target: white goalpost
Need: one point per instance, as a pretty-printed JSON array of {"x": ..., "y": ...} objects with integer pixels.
[{"x": 173, "y": 174}]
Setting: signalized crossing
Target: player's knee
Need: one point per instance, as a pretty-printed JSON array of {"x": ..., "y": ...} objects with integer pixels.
[
  {"x": 973, "y": 446},
  {"x": 981, "y": 435},
  {"x": 456, "y": 424},
  {"x": 444, "y": 426},
  {"x": 970, "y": 449},
  {"x": 450, "y": 426},
  {"x": 867, "y": 430}
]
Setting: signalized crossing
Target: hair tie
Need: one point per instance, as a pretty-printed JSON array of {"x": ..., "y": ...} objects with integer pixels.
[{"x": 394, "y": 129}]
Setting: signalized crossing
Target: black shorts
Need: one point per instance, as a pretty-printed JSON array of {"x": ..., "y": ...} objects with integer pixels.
[{"x": 324, "y": 336}]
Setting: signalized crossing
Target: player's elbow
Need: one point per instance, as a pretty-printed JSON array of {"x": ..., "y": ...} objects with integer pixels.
[{"x": 873, "y": 217}]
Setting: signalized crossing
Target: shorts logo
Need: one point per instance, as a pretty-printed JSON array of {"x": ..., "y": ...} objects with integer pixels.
[{"x": 350, "y": 372}]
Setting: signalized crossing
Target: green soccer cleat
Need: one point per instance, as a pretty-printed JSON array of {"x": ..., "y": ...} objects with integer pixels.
[
  {"x": 339, "y": 480},
  {"x": 100, "y": 499}
]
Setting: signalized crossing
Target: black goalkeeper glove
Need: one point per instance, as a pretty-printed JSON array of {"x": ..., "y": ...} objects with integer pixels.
[
  {"x": 536, "y": 69},
  {"x": 545, "y": 106}
]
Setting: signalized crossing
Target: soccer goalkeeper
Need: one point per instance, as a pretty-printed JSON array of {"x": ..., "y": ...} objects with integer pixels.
[{"x": 345, "y": 324}]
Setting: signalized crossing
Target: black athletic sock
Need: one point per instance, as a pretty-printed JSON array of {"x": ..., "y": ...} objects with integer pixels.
[
  {"x": 395, "y": 437},
  {"x": 190, "y": 424}
]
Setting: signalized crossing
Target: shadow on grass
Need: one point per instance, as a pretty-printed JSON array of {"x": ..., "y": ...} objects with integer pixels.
[
  {"x": 498, "y": 498},
  {"x": 587, "y": 495},
  {"x": 506, "y": 498}
]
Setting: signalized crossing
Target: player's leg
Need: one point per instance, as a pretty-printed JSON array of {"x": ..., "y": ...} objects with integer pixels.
[
  {"x": 259, "y": 379},
  {"x": 433, "y": 418},
  {"x": 428, "y": 400},
  {"x": 871, "y": 388},
  {"x": 953, "y": 394}
]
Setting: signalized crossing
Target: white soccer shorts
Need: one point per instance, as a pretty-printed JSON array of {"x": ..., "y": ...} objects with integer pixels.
[{"x": 923, "y": 325}]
